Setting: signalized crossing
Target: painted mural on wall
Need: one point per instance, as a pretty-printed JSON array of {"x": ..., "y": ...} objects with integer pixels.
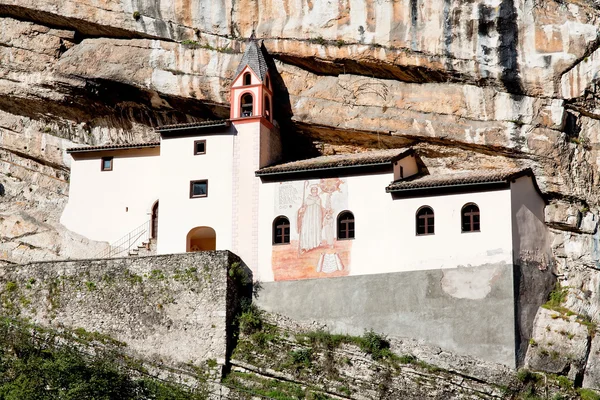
[{"x": 312, "y": 207}]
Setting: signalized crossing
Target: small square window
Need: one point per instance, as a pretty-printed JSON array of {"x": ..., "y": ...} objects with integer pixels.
[
  {"x": 107, "y": 164},
  {"x": 199, "y": 147},
  {"x": 198, "y": 189}
]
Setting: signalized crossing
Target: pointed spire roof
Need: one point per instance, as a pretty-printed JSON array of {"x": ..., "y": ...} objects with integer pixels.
[{"x": 254, "y": 58}]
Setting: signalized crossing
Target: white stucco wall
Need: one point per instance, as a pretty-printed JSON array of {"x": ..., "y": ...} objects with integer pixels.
[
  {"x": 385, "y": 229},
  {"x": 106, "y": 205},
  {"x": 409, "y": 167},
  {"x": 178, "y": 213}
]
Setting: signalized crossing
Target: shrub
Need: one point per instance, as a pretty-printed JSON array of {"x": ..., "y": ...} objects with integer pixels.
[
  {"x": 136, "y": 15},
  {"x": 300, "y": 358},
  {"x": 375, "y": 344},
  {"x": 250, "y": 319},
  {"x": 526, "y": 376}
]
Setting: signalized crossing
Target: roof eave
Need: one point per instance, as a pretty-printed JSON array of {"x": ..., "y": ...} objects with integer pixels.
[
  {"x": 110, "y": 148},
  {"x": 178, "y": 129},
  {"x": 332, "y": 168},
  {"x": 446, "y": 187}
]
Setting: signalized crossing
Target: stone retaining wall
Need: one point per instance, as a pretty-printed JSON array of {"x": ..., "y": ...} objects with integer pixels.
[{"x": 172, "y": 309}]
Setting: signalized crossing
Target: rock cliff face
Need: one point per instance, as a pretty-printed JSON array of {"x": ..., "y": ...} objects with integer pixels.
[{"x": 472, "y": 83}]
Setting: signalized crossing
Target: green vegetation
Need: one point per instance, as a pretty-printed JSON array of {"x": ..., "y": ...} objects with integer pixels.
[
  {"x": 556, "y": 298},
  {"x": 34, "y": 365},
  {"x": 136, "y": 15},
  {"x": 319, "y": 40},
  {"x": 91, "y": 286},
  {"x": 587, "y": 394},
  {"x": 340, "y": 43},
  {"x": 555, "y": 303},
  {"x": 194, "y": 44},
  {"x": 249, "y": 385},
  {"x": 239, "y": 274}
]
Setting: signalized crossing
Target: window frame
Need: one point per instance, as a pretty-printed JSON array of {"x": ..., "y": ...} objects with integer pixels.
[
  {"x": 192, "y": 196},
  {"x": 347, "y": 231},
  {"x": 196, "y": 142},
  {"x": 426, "y": 226},
  {"x": 471, "y": 222},
  {"x": 274, "y": 235},
  {"x": 103, "y": 159},
  {"x": 247, "y": 78}
]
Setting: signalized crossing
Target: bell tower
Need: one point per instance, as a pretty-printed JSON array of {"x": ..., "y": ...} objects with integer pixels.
[
  {"x": 251, "y": 92},
  {"x": 256, "y": 144}
]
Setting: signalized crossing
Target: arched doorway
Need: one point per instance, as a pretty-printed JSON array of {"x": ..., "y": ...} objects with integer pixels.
[
  {"x": 201, "y": 238},
  {"x": 154, "y": 221}
]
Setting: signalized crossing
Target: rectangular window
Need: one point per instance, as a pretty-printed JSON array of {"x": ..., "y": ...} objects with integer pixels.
[
  {"x": 199, "y": 147},
  {"x": 198, "y": 188},
  {"x": 107, "y": 164}
]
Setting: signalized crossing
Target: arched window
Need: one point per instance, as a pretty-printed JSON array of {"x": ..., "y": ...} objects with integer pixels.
[
  {"x": 267, "y": 108},
  {"x": 425, "y": 221},
  {"x": 247, "y": 79},
  {"x": 345, "y": 225},
  {"x": 246, "y": 106},
  {"x": 267, "y": 83},
  {"x": 281, "y": 230},
  {"x": 470, "y": 218}
]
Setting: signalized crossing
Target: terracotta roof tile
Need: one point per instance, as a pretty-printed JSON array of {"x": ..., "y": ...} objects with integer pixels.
[
  {"x": 112, "y": 147},
  {"x": 377, "y": 157},
  {"x": 458, "y": 178}
]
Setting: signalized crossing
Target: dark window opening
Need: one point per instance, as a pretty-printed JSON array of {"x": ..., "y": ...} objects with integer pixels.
[
  {"x": 247, "y": 79},
  {"x": 470, "y": 218},
  {"x": 281, "y": 230},
  {"x": 267, "y": 82},
  {"x": 107, "y": 164},
  {"x": 345, "y": 225},
  {"x": 267, "y": 108},
  {"x": 425, "y": 221},
  {"x": 154, "y": 227},
  {"x": 246, "y": 107},
  {"x": 199, "y": 147},
  {"x": 199, "y": 188}
]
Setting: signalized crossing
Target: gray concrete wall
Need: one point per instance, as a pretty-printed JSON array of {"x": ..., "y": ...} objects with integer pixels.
[
  {"x": 469, "y": 310},
  {"x": 173, "y": 308}
]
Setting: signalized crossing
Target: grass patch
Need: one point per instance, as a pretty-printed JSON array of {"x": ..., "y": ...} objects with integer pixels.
[
  {"x": 556, "y": 298},
  {"x": 588, "y": 394}
]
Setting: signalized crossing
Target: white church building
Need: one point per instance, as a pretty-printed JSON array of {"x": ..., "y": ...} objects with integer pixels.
[
  {"x": 220, "y": 185},
  {"x": 458, "y": 260}
]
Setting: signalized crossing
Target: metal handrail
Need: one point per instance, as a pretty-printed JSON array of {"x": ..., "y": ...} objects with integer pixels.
[{"x": 134, "y": 238}]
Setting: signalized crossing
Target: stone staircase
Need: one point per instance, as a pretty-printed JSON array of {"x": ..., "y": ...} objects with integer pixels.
[{"x": 147, "y": 248}]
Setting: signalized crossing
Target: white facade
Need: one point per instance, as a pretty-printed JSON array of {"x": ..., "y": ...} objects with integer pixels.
[
  {"x": 285, "y": 223},
  {"x": 106, "y": 205},
  {"x": 178, "y": 212},
  {"x": 386, "y": 240}
]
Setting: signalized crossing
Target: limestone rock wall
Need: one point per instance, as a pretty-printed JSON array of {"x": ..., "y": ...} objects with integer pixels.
[{"x": 478, "y": 83}]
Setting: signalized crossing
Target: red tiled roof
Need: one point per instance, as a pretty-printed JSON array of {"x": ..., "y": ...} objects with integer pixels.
[
  {"x": 377, "y": 157},
  {"x": 458, "y": 179},
  {"x": 112, "y": 147}
]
